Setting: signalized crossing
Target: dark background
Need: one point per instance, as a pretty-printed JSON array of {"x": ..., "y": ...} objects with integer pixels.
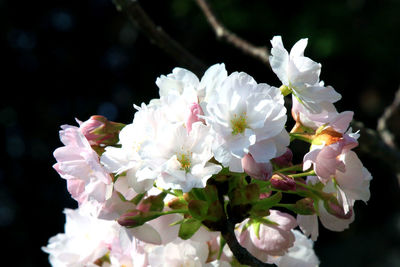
[{"x": 63, "y": 60}]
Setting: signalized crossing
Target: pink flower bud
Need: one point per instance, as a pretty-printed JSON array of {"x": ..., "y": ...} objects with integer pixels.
[
  {"x": 195, "y": 111},
  {"x": 260, "y": 171},
  {"x": 98, "y": 130},
  {"x": 283, "y": 182},
  {"x": 305, "y": 206},
  {"x": 285, "y": 160},
  {"x": 129, "y": 219},
  {"x": 332, "y": 205}
]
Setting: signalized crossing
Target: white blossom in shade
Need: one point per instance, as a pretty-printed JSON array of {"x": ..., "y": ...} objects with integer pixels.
[
  {"x": 181, "y": 158},
  {"x": 85, "y": 240},
  {"x": 327, "y": 116},
  {"x": 273, "y": 239},
  {"x": 300, "y": 74},
  {"x": 135, "y": 176},
  {"x": 79, "y": 164},
  {"x": 353, "y": 183},
  {"x": 247, "y": 118},
  {"x": 302, "y": 253},
  {"x": 309, "y": 223},
  {"x": 179, "y": 253}
]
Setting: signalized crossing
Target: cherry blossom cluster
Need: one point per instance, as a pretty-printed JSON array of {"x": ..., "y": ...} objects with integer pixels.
[{"x": 206, "y": 168}]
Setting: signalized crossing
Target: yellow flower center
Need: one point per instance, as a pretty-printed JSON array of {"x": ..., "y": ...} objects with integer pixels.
[
  {"x": 239, "y": 123},
  {"x": 184, "y": 160}
]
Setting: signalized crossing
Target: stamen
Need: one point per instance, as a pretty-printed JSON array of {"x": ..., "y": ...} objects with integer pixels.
[{"x": 239, "y": 123}]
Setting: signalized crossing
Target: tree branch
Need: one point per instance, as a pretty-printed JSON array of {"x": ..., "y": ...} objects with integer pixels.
[
  {"x": 241, "y": 254},
  {"x": 260, "y": 53},
  {"x": 158, "y": 36}
]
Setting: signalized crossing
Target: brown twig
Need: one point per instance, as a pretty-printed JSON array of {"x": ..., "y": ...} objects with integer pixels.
[
  {"x": 389, "y": 120},
  {"x": 259, "y": 52},
  {"x": 158, "y": 36}
]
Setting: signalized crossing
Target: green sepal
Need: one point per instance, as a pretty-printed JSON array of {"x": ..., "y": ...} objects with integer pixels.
[
  {"x": 261, "y": 208},
  {"x": 198, "y": 209},
  {"x": 222, "y": 243},
  {"x": 188, "y": 228},
  {"x": 137, "y": 198},
  {"x": 256, "y": 228}
]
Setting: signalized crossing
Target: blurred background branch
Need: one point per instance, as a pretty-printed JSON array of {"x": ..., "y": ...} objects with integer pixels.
[
  {"x": 223, "y": 34},
  {"x": 133, "y": 10}
]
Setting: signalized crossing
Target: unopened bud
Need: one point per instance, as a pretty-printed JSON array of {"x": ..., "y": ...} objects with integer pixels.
[
  {"x": 283, "y": 182},
  {"x": 333, "y": 206},
  {"x": 98, "y": 130},
  {"x": 305, "y": 206},
  {"x": 136, "y": 218},
  {"x": 177, "y": 203},
  {"x": 259, "y": 171},
  {"x": 129, "y": 219},
  {"x": 285, "y": 160},
  {"x": 152, "y": 203}
]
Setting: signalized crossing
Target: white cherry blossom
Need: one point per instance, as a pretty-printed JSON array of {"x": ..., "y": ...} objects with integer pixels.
[
  {"x": 300, "y": 74},
  {"x": 247, "y": 118}
]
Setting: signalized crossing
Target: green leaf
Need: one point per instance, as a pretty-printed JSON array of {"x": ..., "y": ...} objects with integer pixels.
[
  {"x": 198, "y": 209},
  {"x": 188, "y": 228}
]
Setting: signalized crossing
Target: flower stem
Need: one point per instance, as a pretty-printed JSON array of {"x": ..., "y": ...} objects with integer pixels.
[
  {"x": 297, "y": 167},
  {"x": 309, "y": 173}
]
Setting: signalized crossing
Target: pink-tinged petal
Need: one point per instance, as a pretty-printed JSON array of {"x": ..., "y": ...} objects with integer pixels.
[
  {"x": 195, "y": 111},
  {"x": 146, "y": 233},
  {"x": 260, "y": 171},
  {"x": 162, "y": 226},
  {"x": 275, "y": 239},
  {"x": 309, "y": 225},
  {"x": 284, "y": 160},
  {"x": 77, "y": 161},
  {"x": 355, "y": 180},
  {"x": 76, "y": 188},
  {"x": 342, "y": 121},
  {"x": 71, "y": 136},
  {"x": 332, "y": 222}
]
